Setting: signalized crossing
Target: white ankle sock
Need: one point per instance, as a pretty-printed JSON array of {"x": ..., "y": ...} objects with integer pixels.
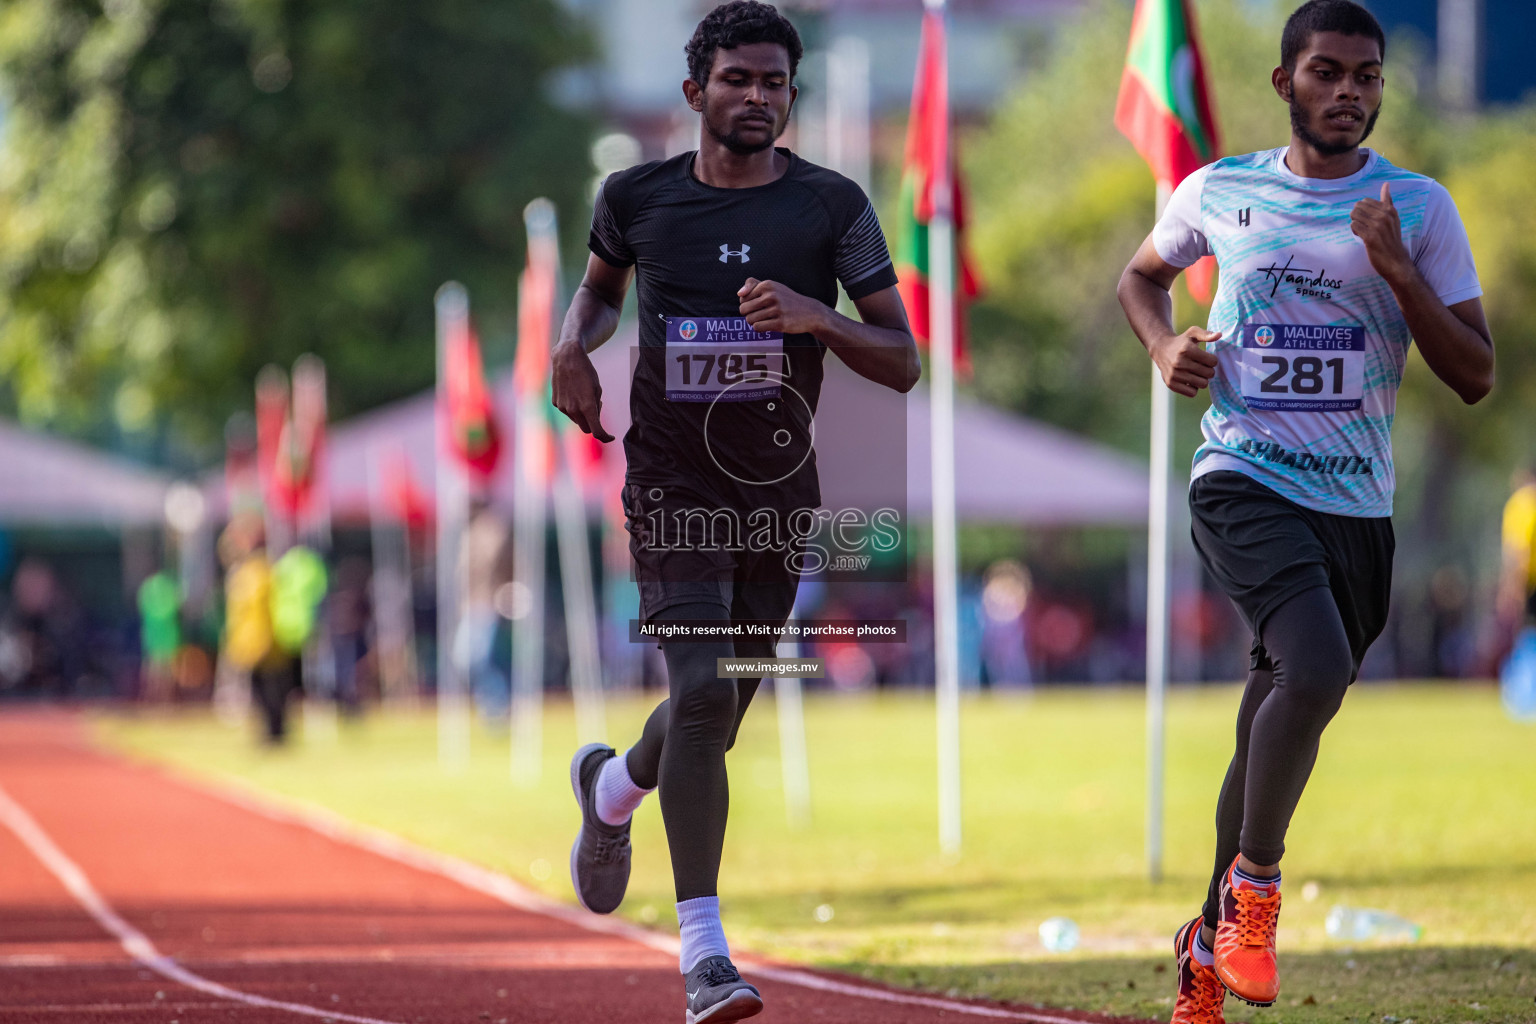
[
  {"x": 616, "y": 793},
  {"x": 1254, "y": 881},
  {"x": 698, "y": 924},
  {"x": 1203, "y": 956}
]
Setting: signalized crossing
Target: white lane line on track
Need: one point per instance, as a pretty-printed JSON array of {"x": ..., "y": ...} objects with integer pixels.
[
  {"x": 159, "y": 1006},
  {"x": 135, "y": 942},
  {"x": 500, "y": 887}
]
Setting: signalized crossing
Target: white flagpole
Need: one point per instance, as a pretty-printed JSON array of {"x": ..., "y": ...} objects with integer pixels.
[
  {"x": 1157, "y": 603},
  {"x": 453, "y": 716},
  {"x": 580, "y": 602},
  {"x": 393, "y": 628},
  {"x": 528, "y": 524},
  {"x": 271, "y": 388},
  {"x": 946, "y": 619},
  {"x": 582, "y": 645},
  {"x": 530, "y": 497},
  {"x": 847, "y": 131},
  {"x": 313, "y": 527},
  {"x": 793, "y": 762}
]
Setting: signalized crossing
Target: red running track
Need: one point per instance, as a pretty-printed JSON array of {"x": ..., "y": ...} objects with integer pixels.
[{"x": 128, "y": 895}]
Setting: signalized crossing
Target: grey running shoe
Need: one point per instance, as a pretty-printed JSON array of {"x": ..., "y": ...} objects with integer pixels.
[
  {"x": 600, "y": 855},
  {"x": 717, "y": 994}
]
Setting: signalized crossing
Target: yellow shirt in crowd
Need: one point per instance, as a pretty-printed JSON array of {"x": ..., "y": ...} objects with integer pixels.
[
  {"x": 1520, "y": 532},
  {"x": 248, "y": 614}
]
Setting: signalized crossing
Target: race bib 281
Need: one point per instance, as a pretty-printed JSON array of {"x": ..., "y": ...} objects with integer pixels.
[{"x": 1303, "y": 367}]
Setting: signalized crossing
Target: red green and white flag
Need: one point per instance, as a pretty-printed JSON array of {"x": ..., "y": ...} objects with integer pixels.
[
  {"x": 536, "y": 288},
  {"x": 930, "y": 147},
  {"x": 473, "y": 435},
  {"x": 271, "y": 431},
  {"x": 405, "y": 499},
  {"x": 1165, "y": 104},
  {"x": 299, "y": 478}
]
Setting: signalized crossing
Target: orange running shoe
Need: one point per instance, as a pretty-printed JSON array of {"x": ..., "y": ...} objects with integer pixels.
[
  {"x": 1200, "y": 991},
  {"x": 1245, "y": 939}
]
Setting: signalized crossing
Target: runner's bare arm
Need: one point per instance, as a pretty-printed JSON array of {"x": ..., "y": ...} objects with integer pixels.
[
  {"x": 1454, "y": 340},
  {"x": 591, "y": 320},
  {"x": 880, "y": 348},
  {"x": 1143, "y": 293}
]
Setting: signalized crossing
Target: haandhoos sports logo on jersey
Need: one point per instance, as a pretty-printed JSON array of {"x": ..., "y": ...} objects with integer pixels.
[
  {"x": 688, "y": 330},
  {"x": 1309, "y": 283}
]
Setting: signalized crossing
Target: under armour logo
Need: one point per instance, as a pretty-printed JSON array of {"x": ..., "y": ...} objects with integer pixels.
[
  {"x": 1244, "y": 216},
  {"x": 726, "y": 253}
]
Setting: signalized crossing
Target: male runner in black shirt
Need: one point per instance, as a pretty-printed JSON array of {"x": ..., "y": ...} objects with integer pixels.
[{"x": 738, "y": 250}]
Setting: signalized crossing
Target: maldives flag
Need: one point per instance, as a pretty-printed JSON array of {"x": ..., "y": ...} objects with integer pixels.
[
  {"x": 929, "y": 147},
  {"x": 297, "y": 480},
  {"x": 405, "y": 499},
  {"x": 293, "y": 476},
  {"x": 530, "y": 368},
  {"x": 271, "y": 428},
  {"x": 472, "y": 431},
  {"x": 1165, "y": 104}
]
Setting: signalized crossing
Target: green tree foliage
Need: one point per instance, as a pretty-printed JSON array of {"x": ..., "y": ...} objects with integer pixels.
[
  {"x": 1062, "y": 201},
  {"x": 190, "y": 189}
]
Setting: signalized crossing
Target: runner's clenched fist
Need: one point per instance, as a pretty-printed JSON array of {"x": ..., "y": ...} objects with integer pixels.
[
  {"x": 1376, "y": 223},
  {"x": 770, "y": 306},
  {"x": 1185, "y": 366}
]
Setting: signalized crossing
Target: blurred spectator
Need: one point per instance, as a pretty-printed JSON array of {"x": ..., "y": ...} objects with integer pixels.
[
  {"x": 39, "y": 632},
  {"x": 1061, "y": 631},
  {"x": 1517, "y": 585},
  {"x": 350, "y": 615},
  {"x": 483, "y": 569},
  {"x": 1453, "y": 644},
  {"x": 250, "y": 645},
  {"x": 159, "y": 602},
  {"x": 849, "y": 667},
  {"x": 1005, "y": 592}
]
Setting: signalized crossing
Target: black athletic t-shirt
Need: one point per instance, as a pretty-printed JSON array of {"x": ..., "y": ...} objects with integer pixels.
[{"x": 693, "y": 245}]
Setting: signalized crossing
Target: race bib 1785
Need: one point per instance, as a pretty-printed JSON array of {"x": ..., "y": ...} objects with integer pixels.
[
  {"x": 1303, "y": 367},
  {"x": 722, "y": 359}
]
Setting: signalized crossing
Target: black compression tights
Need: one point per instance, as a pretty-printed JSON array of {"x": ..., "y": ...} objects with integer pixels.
[
  {"x": 683, "y": 748},
  {"x": 1279, "y": 723}
]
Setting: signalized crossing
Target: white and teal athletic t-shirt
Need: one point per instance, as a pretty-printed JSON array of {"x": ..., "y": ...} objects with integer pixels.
[{"x": 1313, "y": 343}]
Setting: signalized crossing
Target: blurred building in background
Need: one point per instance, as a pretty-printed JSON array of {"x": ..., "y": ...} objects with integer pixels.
[
  {"x": 1481, "y": 47},
  {"x": 79, "y": 531},
  {"x": 857, "y": 69}
]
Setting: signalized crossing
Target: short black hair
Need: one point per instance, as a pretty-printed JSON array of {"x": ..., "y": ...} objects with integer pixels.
[
  {"x": 736, "y": 23},
  {"x": 1342, "y": 16}
]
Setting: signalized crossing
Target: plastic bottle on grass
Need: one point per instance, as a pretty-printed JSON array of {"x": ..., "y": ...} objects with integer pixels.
[
  {"x": 1059, "y": 934},
  {"x": 1517, "y": 678},
  {"x": 1355, "y": 924}
]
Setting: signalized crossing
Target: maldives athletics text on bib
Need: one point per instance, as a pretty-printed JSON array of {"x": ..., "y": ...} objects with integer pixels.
[
  {"x": 722, "y": 359},
  {"x": 1303, "y": 367}
]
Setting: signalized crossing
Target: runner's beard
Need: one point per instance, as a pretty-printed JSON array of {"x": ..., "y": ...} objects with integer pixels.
[
  {"x": 1303, "y": 129},
  {"x": 736, "y": 143}
]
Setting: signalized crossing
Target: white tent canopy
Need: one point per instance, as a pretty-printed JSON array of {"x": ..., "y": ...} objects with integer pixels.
[
  {"x": 1009, "y": 469},
  {"x": 48, "y": 481}
]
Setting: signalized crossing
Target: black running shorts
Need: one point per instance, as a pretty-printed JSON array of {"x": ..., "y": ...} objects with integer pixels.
[
  {"x": 707, "y": 561},
  {"x": 1263, "y": 550}
]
